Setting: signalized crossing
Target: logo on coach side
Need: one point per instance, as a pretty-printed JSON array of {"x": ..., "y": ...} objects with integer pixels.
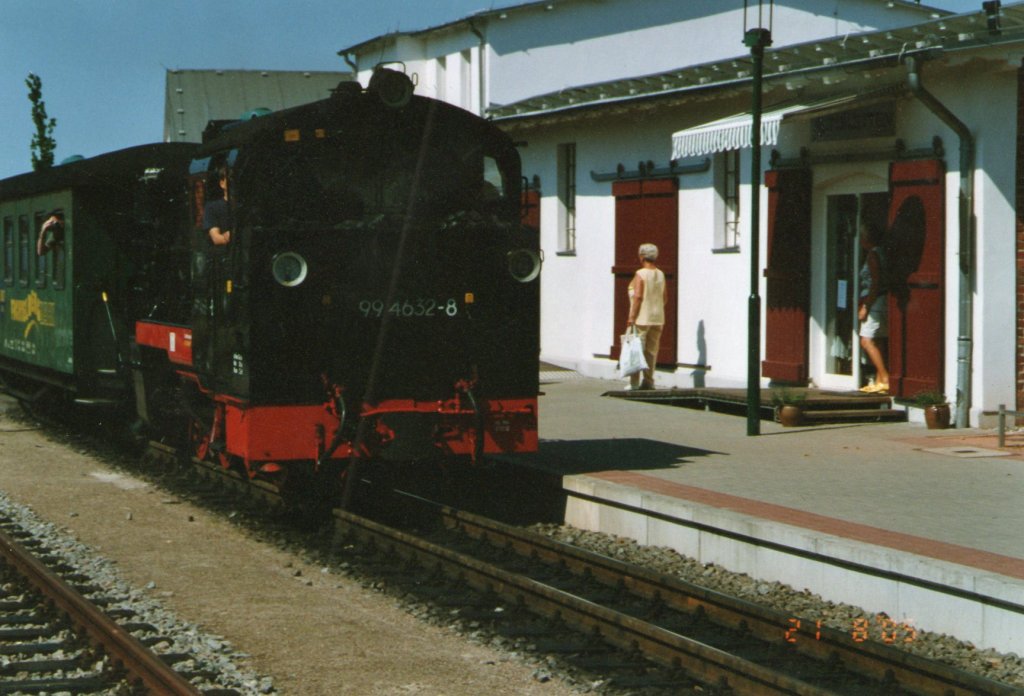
[{"x": 32, "y": 311}]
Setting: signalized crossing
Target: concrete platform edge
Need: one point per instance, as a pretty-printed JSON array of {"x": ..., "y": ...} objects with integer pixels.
[{"x": 973, "y": 604}]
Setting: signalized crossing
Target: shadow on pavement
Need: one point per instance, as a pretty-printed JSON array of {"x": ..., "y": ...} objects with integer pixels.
[{"x": 587, "y": 456}]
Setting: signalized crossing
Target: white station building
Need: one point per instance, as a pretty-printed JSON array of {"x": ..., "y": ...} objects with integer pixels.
[{"x": 635, "y": 122}]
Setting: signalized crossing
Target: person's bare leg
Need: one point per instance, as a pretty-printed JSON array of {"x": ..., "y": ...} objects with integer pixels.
[{"x": 875, "y": 355}]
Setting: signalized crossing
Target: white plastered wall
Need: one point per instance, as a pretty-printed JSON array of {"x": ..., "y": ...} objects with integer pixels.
[
  {"x": 711, "y": 314},
  {"x": 577, "y": 290}
]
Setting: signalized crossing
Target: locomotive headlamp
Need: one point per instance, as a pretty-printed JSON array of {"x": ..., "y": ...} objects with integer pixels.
[
  {"x": 523, "y": 264},
  {"x": 289, "y": 269}
]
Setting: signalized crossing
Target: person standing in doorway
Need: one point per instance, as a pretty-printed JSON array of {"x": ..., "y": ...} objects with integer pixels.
[
  {"x": 647, "y": 299},
  {"x": 873, "y": 308}
]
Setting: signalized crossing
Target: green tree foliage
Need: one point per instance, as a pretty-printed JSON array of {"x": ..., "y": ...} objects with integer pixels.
[{"x": 43, "y": 143}]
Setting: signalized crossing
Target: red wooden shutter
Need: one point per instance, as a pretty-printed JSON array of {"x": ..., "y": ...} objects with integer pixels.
[
  {"x": 915, "y": 244},
  {"x": 788, "y": 272},
  {"x": 646, "y": 211}
]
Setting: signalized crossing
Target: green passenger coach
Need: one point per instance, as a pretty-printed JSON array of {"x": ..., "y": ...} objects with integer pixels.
[{"x": 83, "y": 243}]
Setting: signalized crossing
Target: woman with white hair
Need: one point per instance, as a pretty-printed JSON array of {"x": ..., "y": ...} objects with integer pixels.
[{"x": 647, "y": 297}]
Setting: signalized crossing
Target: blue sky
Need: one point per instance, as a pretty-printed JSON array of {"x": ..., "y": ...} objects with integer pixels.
[{"x": 103, "y": 62}]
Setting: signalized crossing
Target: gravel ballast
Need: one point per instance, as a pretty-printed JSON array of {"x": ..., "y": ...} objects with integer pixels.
[
  {"x": 1005, "y": 667},
  {"x": 209, "y": 653}
]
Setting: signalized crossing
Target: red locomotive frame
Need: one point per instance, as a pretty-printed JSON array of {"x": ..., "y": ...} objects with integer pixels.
[{"x": 262, "y": 437}]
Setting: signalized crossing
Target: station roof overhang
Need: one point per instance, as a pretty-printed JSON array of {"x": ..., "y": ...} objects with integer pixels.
[
  {"x": 736, "y": 132},
  {"x": 482, "y": 17},
  {"x": 812, "y": 71}
]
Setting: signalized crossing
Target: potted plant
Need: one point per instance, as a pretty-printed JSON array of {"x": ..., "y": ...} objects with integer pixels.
[
  {"x": 936, "y": 408},
  {"x": 789, "y": 406}
]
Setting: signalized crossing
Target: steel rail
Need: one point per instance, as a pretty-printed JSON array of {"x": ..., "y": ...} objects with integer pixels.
[
  {"x": 872, "y": 659},
  {"x": 697, "y": 660},
  {"x": 140, "y": 665}
]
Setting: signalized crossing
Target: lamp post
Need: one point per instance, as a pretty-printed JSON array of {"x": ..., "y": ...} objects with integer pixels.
[{"x": 756, "y": 38}]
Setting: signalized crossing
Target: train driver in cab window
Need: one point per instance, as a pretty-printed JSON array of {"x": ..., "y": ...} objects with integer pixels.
[
  {"x": 51, "y": 233},
  {"x": 217, "y": 213}
]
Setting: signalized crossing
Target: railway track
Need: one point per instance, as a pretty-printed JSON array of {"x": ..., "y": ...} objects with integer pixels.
[
  {"x": 698, "y": 635},
  {"x": 641, "y": 629},
  {"x": 58, "y": 634}
]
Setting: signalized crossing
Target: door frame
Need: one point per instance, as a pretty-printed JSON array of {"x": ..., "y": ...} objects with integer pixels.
[{"x": 833, "y": 180}]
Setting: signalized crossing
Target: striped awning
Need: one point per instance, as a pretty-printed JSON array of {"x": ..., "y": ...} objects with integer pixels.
[{"x": 734, "y": 132}]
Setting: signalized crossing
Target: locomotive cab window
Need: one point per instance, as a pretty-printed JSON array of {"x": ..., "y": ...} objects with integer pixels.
[{"x": 494, "y": 182}]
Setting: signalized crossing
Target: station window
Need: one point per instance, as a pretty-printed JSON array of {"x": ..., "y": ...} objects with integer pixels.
[
  {"x": 8, "y": 250},
  {"x": 567, "y": 198},
  {"x": 40, "y": 274},
  {"x": 23, "y": 251},
  {"x": 727, "y": 207}
]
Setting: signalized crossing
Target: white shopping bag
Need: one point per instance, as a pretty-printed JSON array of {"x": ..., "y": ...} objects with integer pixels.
[{"x": 631, "y": 357}]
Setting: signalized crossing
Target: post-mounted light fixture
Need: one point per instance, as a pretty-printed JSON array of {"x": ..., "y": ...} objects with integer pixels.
[{"x": 757, "y": 35}]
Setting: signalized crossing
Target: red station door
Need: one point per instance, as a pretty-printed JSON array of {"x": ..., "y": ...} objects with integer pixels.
[{"x": 646, "y": 211}]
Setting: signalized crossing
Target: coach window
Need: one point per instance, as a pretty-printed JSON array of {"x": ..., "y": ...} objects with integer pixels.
[
  {"x": 57, "y": 264},
  {"x": 40, "y": 258},
  {"x": 8, "y": 250},
  {"x": 23, "y": 251}
]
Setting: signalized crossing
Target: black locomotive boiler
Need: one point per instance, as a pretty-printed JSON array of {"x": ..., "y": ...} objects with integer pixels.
[{"x": 378, "y": 299}]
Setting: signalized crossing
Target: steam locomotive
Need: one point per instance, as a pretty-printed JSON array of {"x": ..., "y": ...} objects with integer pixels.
[{"x": 377, "y": 301}]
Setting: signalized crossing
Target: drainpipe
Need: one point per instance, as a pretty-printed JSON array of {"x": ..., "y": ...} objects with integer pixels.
[
  {"x": 966, "y": 200},
  {"x": 481, "y": 53}
]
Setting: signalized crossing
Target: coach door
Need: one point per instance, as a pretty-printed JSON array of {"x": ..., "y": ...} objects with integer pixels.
[
  {"x": 916, "y": 244},
  {"x": 646, "y": 211}
]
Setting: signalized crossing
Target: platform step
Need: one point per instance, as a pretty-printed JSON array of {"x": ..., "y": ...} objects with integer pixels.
[
  {"x": 847, "y": 402},
  {"x": 832, "y": 415}
]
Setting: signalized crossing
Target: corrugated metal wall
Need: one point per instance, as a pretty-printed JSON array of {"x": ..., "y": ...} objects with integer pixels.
[{"x": 195, "y": 97}]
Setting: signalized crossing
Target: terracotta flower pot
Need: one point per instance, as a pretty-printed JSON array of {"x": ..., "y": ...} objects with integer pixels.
[
  {"x": 790, "y": 415},
  {"x": 937, "y": 416}
]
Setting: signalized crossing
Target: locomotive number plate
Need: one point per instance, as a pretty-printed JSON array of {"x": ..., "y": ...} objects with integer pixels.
[{"x": 420, "y": 307}]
